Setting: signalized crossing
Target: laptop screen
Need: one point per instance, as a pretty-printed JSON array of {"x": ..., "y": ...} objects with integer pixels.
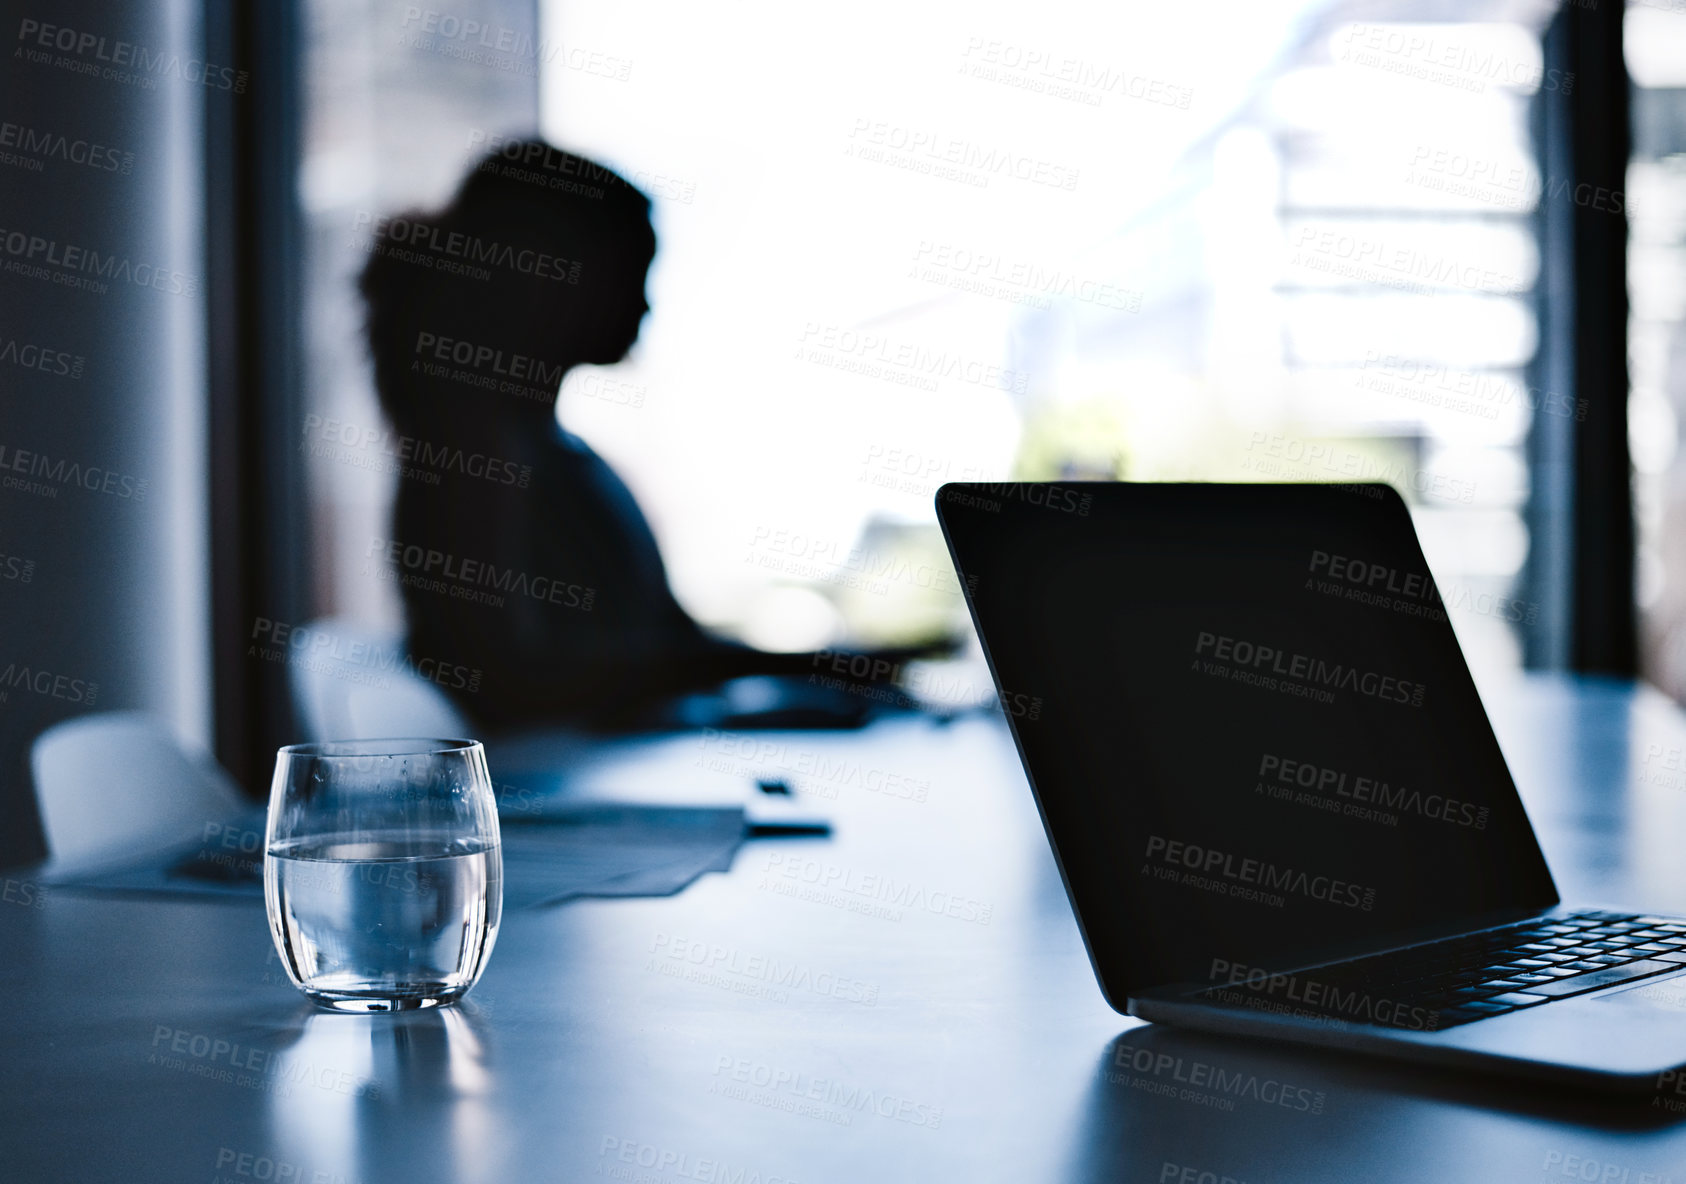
[{"x": 1251, "y": 732}]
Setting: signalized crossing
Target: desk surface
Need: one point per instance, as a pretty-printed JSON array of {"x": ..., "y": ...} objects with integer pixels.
[{"x": 907, "y": 1000}]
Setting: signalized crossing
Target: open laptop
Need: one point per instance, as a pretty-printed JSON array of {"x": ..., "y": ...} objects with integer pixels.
[{"x": 1275, "y": 799}]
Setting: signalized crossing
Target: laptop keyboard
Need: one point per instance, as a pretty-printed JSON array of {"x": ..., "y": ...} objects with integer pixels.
[{"x": 1494, "y": 972}]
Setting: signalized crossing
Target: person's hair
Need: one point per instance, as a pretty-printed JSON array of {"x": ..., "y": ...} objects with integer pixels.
[{"x": 526, "y": 272}]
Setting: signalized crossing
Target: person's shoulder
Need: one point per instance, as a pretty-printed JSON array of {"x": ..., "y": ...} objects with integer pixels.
[
  {"x": 562, "y": 437},
  {"x": 573, "y": 456},
  {"x": 578, "y": 452}
]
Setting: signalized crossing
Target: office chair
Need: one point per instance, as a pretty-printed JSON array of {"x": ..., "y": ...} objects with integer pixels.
[
  {"x": 350, "y": 682},
  {"x": 115, "y": 785}
]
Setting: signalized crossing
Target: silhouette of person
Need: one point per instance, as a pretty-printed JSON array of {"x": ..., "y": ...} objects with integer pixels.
[{"x": 528, "y": 560}]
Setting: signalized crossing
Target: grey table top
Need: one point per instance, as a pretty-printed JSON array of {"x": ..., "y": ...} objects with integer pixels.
[{"x": 908, "y": 999}]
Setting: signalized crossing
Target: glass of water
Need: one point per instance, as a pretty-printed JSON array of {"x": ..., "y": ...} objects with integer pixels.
[{"x": 383, "y": 871}]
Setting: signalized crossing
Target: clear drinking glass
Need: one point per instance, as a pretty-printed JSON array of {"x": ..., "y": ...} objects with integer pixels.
[{"x": 383, "y": 871}]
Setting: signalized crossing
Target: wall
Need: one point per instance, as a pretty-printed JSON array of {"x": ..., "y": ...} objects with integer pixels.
[{"x": 103, "y": 598}]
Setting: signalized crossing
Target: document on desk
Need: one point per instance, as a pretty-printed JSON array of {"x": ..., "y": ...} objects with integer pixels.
[
  {"x": 616, "y": 850},
  {"x": 591, "y": 849}
]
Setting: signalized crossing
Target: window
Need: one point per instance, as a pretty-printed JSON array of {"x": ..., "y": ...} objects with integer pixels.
[
  {"x": 996, "y": 246},
  {"x": 399, "y": 100},
  {"x": 1655, "y": 206}
]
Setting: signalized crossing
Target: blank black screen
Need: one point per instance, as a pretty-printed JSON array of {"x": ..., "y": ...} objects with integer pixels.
[{"x": 1249, "y": 726}]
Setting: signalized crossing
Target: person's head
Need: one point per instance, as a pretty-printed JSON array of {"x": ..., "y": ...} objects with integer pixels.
[{"x": 537, "y": 265}]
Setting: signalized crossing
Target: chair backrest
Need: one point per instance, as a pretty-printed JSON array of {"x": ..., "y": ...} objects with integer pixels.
[
  {"x": 118, "y": 783},
  {"x": 350, "y": 682}
]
